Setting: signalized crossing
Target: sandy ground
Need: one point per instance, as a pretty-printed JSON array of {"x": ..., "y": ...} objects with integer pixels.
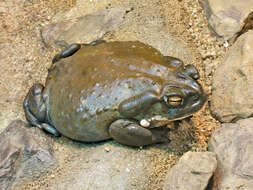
[{"x": 24, "y": 59}]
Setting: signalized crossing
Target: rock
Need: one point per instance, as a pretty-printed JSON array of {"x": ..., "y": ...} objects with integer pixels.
[
  {"x": 24, "y": 154},
  {"x": 84, "y": 29},
  {"x": 97, "y": 168},
  {"x": 147, "y": 25},
  {"x": 193, "y": 171},
  {"x": 233, "y": 144},
  {"x": 232, "y": 88},
  {"x": 165, "y": 42},
  {"x": 131, "y": 24},
  {"x": 227, "y": 18}
]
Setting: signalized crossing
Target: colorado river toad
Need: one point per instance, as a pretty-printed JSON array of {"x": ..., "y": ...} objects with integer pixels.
[{"x": 114, "y": 90}]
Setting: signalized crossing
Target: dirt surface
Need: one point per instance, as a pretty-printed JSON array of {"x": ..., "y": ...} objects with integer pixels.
[{"x": 24, "y": 59}]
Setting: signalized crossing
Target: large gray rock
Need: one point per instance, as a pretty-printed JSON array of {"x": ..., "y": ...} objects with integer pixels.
[
  {"x": 233, "y": 144},
  {"x": 24, "y": 154},
  {"x": 193, "y": 172},
  {"x": 84, "y": 29},
  {"x": 227, "y": 18},
  {"x": 232, "y": 89},
  {"x": 120, "y": 24},
  {"x": 108, "y": 166}
]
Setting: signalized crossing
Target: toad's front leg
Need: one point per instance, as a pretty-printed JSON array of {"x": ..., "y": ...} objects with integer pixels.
[
  {"x": 36, "y": 111},
  {"x": 128, "y": 132}
]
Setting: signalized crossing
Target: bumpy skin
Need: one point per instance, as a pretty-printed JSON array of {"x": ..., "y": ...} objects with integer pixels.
[{"x": 98, "y": 85}]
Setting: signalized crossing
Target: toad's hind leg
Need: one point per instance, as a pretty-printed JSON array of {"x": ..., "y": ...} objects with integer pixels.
[
  {"x": 70, "y": 50},
  {"x": 36, "y": 111},
  {"x": 130, "y": 133}
]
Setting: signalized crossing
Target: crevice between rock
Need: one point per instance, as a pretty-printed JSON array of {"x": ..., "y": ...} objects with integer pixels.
[
  {"x": 210, "y": 184},
  {"x": 248, "y": 25}
]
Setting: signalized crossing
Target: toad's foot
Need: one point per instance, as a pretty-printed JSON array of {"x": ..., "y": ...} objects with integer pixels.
[
  {"x": 130, "y": 133},
  {"x": 35, "y": 109}
]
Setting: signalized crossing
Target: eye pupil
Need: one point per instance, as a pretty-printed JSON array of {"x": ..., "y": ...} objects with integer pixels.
[{"x": 173, "y": 100}]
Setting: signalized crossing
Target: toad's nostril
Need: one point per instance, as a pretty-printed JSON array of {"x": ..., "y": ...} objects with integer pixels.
[
  {"x": 191, "y": 71},
  {"x": 195, "y": 97}
]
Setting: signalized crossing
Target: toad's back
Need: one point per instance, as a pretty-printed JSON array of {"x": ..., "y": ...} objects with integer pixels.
[{"x": 85, "y": 89}]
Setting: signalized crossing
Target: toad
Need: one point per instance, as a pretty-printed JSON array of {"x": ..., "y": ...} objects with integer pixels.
[{"x": 126, "y": 91}]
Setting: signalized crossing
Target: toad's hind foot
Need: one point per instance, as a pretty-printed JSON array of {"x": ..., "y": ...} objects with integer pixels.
[
  {"x": 73, "y": 48},
  {"x": 50, "y": 129},
  {"x": 35, "y": 122},
  {"x": 36, "y": 111}
]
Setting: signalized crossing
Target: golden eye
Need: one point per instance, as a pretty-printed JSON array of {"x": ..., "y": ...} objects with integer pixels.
[{"x": 174, "y": 100}]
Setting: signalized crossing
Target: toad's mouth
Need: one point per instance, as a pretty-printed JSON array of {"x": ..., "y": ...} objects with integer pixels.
[{"x": 159, "y": 121}]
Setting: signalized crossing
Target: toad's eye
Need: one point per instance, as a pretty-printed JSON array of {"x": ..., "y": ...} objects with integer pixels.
[{"x": 173, "y": 100}]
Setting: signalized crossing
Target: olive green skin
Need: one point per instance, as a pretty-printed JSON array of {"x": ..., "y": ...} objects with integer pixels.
[{"x": 86, "y": 91}]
